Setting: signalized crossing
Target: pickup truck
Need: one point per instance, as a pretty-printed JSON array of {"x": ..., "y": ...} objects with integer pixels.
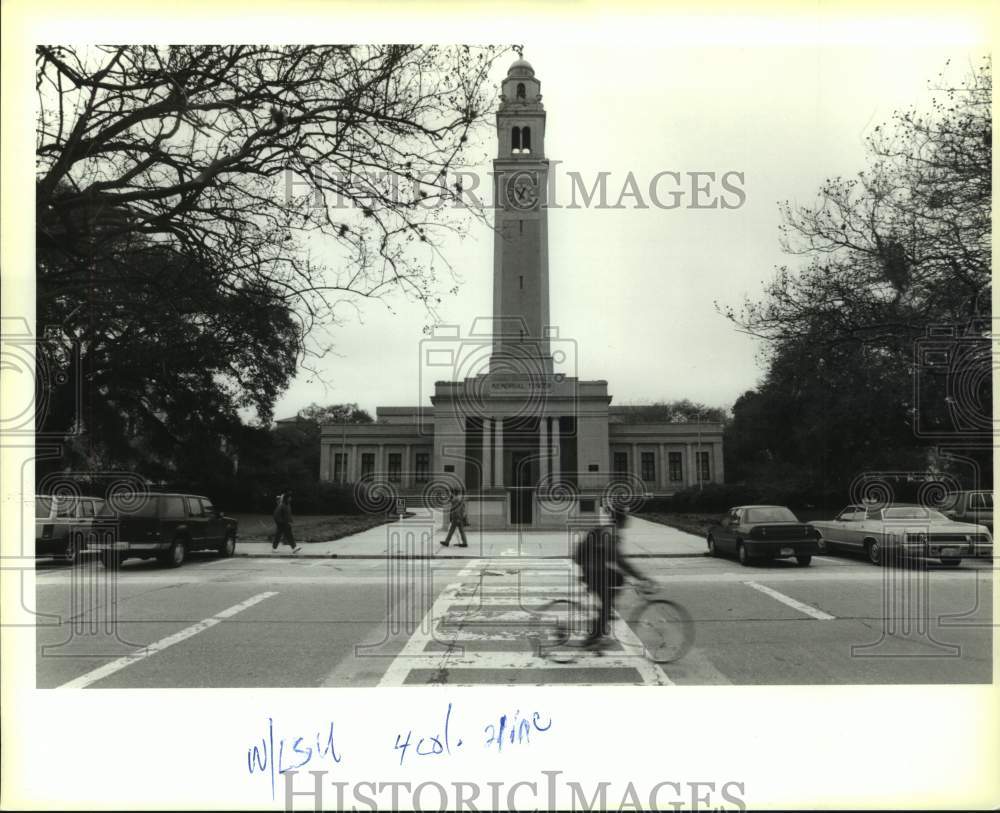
[{"x": 975, "y": 507}]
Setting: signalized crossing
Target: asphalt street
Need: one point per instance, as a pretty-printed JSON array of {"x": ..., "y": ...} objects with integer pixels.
[{"x": 288, "y": 622}]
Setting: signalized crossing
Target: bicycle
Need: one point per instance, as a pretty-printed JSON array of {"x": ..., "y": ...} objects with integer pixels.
[{"x": 664, "y": 628}]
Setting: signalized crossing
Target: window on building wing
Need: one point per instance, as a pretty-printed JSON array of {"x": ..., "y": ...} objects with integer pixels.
[
  {"x": 620, "y": 462},
  {"x": 676, "y": 467},
  {"x": 647, "y": 463},
  {"x": 423, "y": 467},
  {"x": 340, "y": 467},
  {"x": 704, "y": 468}
]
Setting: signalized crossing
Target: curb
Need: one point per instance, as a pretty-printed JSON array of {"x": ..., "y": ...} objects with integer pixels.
[{"x": 239, "y": 555}]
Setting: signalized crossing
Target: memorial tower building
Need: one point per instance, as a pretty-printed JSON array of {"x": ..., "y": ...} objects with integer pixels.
[{"x": 510, "y": 422}]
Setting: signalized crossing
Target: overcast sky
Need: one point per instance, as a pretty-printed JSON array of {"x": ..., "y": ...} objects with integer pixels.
[{"x": 635, "y": 289}]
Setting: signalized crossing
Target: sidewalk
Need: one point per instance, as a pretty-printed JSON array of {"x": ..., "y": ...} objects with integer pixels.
[{"x": 416, "y": 537}]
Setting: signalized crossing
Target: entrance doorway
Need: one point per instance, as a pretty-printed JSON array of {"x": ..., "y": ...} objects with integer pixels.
[{"x": 522, "y": 490}]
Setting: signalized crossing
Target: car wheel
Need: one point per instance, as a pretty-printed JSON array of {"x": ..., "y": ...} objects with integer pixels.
[
  {"x": 175, "y": 555},
  {"x": 741, "y": 552},
  {"x": 71, "y": 555},
  {"x": 111, "y": 559},
  {"x": 951, "y": 562},
  {"x": 228, "y": 547},
  {"x": 874, "y": 551},
  {"x": 711, "y": 546},
  {"x": 804, "y": 560}
]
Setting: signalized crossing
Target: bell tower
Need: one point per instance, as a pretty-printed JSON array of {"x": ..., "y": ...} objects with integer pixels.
[{"x": 520, "y": 247}]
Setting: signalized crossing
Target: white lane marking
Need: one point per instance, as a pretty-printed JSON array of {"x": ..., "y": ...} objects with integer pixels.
[
  {"x": 791, "y": 602},
  {"x": 158, "y": 646}
]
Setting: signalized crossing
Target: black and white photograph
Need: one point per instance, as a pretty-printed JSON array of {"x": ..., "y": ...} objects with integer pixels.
[{"x": 451, "y": 388}]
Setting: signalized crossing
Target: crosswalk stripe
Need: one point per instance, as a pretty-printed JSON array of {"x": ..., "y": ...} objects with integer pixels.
[
  {"x": 455, "y": 617},
  {"x": 525, "y": 601},
  {"x": 519, "y": 660},
  {"x": 482, "y": 608},
  {"x": 412, "y": 654}
]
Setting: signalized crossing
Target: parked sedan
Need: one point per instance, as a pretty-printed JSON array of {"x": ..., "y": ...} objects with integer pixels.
[
  {"x": 880, "y": 530},
  {"x": 63, "y": 525},
  {"x": 763, "y": 532}
]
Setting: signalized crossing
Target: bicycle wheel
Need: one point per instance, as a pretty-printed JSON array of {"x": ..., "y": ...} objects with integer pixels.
[
  {"x": 665, "y": 629},
  {"x": 566, "y": 625}
]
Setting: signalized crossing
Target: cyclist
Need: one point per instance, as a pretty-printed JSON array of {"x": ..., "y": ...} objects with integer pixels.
[{"x": 599, "y": 556}]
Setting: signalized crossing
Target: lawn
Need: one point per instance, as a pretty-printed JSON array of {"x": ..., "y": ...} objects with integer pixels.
[
  {"x": 308, "y": 528},
  {"x": 696, "y": 524}
]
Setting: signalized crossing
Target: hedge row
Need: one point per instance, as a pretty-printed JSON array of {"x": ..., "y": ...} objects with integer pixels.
[
  {"x": 234, "y": 495},
  {"x": 714, "y": 498}
]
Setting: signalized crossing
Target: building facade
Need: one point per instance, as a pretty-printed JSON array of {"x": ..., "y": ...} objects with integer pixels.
[{"x": 529, "y": 444}]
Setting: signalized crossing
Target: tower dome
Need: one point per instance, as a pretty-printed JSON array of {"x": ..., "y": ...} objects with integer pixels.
[{"x": 521, "y": 68}]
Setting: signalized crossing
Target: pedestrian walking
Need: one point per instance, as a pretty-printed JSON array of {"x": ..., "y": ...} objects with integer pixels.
[
  {"x": 283, "y": 523},
  {"x": 459, "y": 519}
]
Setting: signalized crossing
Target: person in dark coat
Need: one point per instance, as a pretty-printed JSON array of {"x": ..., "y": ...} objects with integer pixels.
[
  {"x": 459, "y": 519},
  {"x": 283, "y": 523},
  {"x": 600, "y": 559}
]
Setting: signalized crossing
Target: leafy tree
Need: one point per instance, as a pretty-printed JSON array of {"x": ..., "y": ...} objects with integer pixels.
[
  {"x": 287, "y": 456},
  {"x": 334, "y": 413},
  {"x": 184, "y": 198},
  {"x": 904, "y": 244},
  {"x": 254, "y": 160},
  {"x": 683, "y": 411},
  {"x": 899, "y": 249}
]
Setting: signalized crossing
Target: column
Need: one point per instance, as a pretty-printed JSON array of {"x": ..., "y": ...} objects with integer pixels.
[
  {"x": 487, "y": 464},
  {"x": 663, "y": 475},
  {"x": 498, "y": 458},
  {"x": 555, "y": 448},
  {"x": 324, "y": 462},
  {"x": 718, "y": 475},
  {"x": 380, "y": 464},
  {"x": 543, "y": 446},
  {"x": 449, "y": 445},
  {"x": 407, "y": 473},
  {"x": 691, "y": 477},
  {"x": 636, "y": 469}
]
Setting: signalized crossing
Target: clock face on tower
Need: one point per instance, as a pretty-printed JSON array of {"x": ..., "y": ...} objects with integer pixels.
[{"x": 522, "y": 190}]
